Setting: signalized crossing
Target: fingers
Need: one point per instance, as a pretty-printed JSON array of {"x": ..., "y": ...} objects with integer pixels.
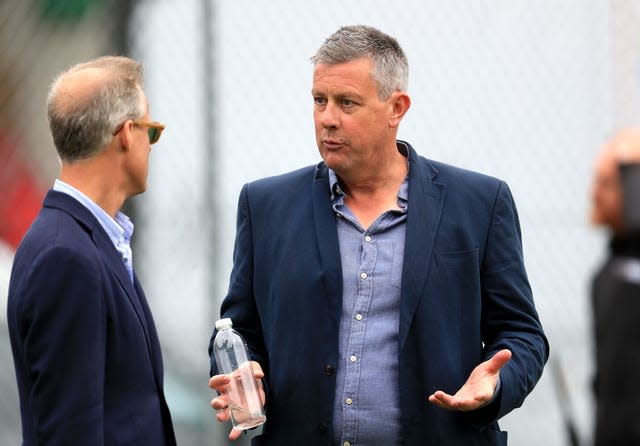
[
  {"x": 218, "y": 382},
  {"x": 452, "y": 402},
  {"x": 220, "y": 405},
  {"x": 479, "y": 387},
  {"x": 224, "y": 415},
  {"x": 440, "y": 399},
  {"x": 257, "y": 370},
  {"x": 446, "y": 401},
  {"x": 235, "y": 434}
]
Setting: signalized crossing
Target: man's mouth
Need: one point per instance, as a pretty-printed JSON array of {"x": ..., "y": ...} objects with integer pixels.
[{"x": 332, "y": 144}]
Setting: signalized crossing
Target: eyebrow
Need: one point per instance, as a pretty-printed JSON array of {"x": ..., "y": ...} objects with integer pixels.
[{"x": 353, "y": 96}]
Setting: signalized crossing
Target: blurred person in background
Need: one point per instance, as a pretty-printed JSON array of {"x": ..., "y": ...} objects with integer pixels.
[
  {"x": 87, "y": 357},
  {"x": 615, "y": 291},
  {"x": 384, "y": 295}
]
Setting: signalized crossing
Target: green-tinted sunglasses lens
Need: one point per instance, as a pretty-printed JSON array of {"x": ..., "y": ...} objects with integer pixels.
[{"x": 154, "y": 134}]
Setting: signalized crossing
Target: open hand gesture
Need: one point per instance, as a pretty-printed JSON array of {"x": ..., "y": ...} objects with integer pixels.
[{"x": 479, "y": 388}]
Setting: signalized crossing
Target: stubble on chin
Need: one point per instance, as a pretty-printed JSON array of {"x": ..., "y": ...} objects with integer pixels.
[
  {"x": 342, "y": 166},
  {"x": 338, "y": 160}
]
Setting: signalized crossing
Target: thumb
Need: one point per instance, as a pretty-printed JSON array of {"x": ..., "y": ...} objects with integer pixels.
[{"x": 498, "y": 360}]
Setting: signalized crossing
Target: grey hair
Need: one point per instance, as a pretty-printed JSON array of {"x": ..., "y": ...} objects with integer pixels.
[
  {"x": 83, "y": 124},
  {"x": 390, "y": 68}
]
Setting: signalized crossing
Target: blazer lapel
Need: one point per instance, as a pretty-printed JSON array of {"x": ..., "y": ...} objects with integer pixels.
[
  {"x": 426, "y": 199},
  {"x": 114, "y": 263},
  {"x": 327, "y": 241},
  {"x": 150, "y": 331},
  {"x": 111, "y": 256}
]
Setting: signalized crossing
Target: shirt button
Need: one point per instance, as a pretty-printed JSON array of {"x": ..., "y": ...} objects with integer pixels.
[
  {"x": 346, "y": 443},
  {"x": 349, "y": 401},
  {"x": 368, "y": 238},
  {"x": 358, "y": 317},
  {"x": 363, "y": 275},
  {"x": 353, "y": 358}
]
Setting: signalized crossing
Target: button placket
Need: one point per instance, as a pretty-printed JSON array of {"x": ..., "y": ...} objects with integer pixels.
[{"x": 367, "y": 262}]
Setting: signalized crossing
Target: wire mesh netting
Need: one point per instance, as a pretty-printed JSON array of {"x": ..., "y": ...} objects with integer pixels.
[{"x": 526, "y": 91}]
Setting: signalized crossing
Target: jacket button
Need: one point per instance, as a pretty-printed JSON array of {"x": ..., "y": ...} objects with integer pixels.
[
  {"x": 329, "y": 369},
  {"x": 322, "y": 427}
]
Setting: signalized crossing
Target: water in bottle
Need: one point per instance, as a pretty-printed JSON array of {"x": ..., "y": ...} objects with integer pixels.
[{"x": 231, "y": 356}]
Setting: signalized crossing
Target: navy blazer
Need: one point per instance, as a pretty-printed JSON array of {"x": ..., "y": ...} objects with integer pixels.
[
  {"x": 464, "y": 296},
  {"x": 86, "y": 352}
]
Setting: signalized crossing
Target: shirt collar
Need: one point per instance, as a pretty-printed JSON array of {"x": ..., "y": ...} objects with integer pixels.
[
  {"x": 118, "y": 229},
  {"x": 338, "y": 194}
]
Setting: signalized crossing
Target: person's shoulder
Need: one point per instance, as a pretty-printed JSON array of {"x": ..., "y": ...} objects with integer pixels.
[
  {"x": 447, "y": 171},
  {"x": 55, "y": 244},
  {"x": 462, "y": 182},
  {"x": 53, "y": 231},
  {"x": 441, "y": 172}
]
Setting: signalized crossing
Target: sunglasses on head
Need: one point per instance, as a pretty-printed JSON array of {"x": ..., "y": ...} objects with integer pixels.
[{"x": 154, "y": 129}]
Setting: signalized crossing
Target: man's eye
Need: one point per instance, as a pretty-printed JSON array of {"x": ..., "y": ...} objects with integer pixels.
[
  {"x": 347, "y": 102},
  {"x": 319, "y": 101}
]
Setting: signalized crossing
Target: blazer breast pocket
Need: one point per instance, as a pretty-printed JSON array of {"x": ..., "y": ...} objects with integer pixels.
[{"x": 457, "y": 270}]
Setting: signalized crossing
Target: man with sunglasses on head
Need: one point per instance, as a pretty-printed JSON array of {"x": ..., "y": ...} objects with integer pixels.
[{"x": 86, "y": 352}]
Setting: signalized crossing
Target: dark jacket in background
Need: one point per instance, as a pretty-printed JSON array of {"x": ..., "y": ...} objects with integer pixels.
[{"x": 616, "y": 313}]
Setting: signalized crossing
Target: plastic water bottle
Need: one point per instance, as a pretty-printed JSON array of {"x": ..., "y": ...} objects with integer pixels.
[{"x": 232, "y": 359}]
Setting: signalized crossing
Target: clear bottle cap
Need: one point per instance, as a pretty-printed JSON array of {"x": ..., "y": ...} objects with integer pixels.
[{"x": 221, "y": 324}]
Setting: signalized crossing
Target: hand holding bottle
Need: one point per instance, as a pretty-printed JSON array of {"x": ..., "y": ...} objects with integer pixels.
[
  {"x": 241, "y": 395},
  {"x": 220, "y": 383}
]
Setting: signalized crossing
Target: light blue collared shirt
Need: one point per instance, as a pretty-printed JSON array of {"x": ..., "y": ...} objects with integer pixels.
[
  {"x": 119, "y": 229},
  {"x": 367, "y": 404}
]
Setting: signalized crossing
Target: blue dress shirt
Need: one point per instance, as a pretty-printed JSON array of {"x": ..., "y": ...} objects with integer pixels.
[
  {"x": 119, "y": 229},
  {"x": 367, "y": 405}
]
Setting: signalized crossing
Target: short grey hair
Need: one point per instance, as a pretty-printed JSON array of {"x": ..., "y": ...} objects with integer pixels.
[
  {"x": 82, "y": 124},
  {"x": 390, "y": 68}
]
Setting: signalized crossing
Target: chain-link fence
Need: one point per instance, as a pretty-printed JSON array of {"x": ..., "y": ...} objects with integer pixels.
[{"x": 526, "y": 91}]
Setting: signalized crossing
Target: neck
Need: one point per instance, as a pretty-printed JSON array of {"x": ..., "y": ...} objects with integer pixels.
[
  {"x": 385, "y": 178},
  {"x": 371, "y": 195},
  {"x": 88, "y": 176}
]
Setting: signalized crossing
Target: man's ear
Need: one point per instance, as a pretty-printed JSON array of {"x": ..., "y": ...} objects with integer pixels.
[
  {"x": 125, "y": 136},
  {"x": 400, "y": 103}
]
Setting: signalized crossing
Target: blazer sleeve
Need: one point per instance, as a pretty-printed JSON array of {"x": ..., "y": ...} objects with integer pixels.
[
  {"x": 63, "y": 319},
  {"x": 509, "y": 316},
  {"x": 239, "y": 303}
]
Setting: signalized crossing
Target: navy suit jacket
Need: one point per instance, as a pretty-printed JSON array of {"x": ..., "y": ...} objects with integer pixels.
[
  {"x": 464, "y": 296},
  {"x": 86, "y": 352}
]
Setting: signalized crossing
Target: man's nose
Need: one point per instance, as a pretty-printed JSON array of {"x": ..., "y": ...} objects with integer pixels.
[{"x": 330, "y": 116}]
